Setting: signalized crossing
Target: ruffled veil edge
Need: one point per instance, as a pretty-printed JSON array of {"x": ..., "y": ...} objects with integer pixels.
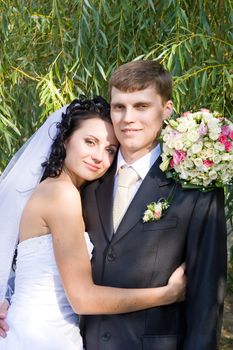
[{"x": 17, "y": 183}]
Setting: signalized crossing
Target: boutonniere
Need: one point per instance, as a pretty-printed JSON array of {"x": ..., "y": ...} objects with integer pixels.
[{"x": 155, "y": 210}]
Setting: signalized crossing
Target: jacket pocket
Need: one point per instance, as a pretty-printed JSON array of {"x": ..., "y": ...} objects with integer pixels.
[
  {"x": 162, "y": 224},
  {"x": 163, "y": 342}
]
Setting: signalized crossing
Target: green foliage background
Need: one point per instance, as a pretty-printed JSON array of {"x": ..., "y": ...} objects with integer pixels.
[{"x": 51, "y": 51}]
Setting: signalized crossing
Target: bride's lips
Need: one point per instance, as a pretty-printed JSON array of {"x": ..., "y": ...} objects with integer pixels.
[{"x": 92, "y": 167}]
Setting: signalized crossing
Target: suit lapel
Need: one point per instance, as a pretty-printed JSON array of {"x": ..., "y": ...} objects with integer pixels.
[{"x": 153, "y": 187}]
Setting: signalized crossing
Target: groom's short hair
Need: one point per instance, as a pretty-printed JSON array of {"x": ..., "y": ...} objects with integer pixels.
[{"x": 139, "y": 75}]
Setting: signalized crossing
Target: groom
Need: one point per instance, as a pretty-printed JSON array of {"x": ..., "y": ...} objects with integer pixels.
[{"x": 132, "y": 254}]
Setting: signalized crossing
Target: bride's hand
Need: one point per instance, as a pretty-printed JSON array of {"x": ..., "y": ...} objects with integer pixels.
[
  {"x": 177, "y": 284},
  {"x": 3, "y": 313}
]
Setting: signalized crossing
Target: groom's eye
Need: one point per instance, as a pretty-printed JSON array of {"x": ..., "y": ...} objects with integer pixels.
[
  {"x": 141, "y": 106},
  {"x": 117, "y": 107}
]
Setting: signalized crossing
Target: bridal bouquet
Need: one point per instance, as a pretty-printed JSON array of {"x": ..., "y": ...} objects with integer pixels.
[{"x": 197, "y": 150}]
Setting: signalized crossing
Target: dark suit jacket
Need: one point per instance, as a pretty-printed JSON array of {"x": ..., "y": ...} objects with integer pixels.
[{"x": 144, "y": 255}]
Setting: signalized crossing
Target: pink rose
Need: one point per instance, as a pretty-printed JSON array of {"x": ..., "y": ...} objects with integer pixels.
[
  {"x": 172, "y": 163},
  {"x": 204, "y": 110},
  {"x": 231, "y": 134},
  {"x": 178, "y": 156},
  {"x": 222, "y": 139},
  {"x": 208, "y": 163},
  {"x": 225, "y": 130},
  {"x": 228, "y": 146},
  {"x": 157, "y": 215}
]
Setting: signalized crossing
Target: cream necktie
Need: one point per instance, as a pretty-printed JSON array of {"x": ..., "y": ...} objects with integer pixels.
[{"x": 127, "y": 177}]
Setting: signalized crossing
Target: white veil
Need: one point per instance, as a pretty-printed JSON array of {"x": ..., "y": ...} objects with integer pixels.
[{"x": 17, "y": 183}]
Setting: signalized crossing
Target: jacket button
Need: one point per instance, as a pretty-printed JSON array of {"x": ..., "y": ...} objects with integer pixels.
[
  {"x": 106, "y": 336},
  {"x": 111, "y": 256}
]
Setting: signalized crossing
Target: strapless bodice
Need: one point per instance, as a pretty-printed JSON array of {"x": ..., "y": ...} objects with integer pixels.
[
  {"x": 37, "y": 273},
  {"x": 40, "y": 314}
]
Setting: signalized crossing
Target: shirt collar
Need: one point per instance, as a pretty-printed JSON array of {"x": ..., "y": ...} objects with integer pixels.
[{"x": 143, "y": 164}]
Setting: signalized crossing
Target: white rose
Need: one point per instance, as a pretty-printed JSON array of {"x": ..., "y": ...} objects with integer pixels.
[
  {"x": 196, "y": 181},
  {"x": 208, "y": 153},
  {"x": 170, "y": 143},
  {"x": 220, "y": 167},
  {"x": 167, "y": 134},
  {"x": 183, "y": 171},
  {"x": 188, "y": 163},
  {"x": 213, "y": 125},
  {"x": 214, "y": 136},
  {"x": 206, "y": 182},
  {"x": 217, "y": 159},
  {"x": 158, "y": 207},
  {"x": 225, "y": 176},
  {"x": 219, "y": 146},
  {"x": 198, "y": 162},
  {"x": 184, "y": 175},
  {"x": 193, "y": 135},
  {"x": 145, "y": 218},
  {"x": 182, "y": 127},
  {"x": 227, "y": 157},
  {"x": 178, "y": 144},
  {"x": 197, "y": 147},
  {"x": 213, "y": 174},
  {"x": 187, "y": 143},
  {"x": 208, "y": 144},
  {"x": 166, "y": 150}
]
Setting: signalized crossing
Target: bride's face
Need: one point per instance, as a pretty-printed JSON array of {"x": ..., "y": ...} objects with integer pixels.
[{"x": 90, "y": 150}]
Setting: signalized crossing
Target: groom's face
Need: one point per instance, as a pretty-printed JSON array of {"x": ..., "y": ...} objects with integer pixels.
[{"x": 137, "y": 119}]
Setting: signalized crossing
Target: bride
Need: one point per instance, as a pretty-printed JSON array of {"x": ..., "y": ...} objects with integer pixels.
[{"x": 41, "y": 209}]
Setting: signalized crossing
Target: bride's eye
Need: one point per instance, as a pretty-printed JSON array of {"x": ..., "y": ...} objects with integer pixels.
[
  {"x": 111, "y": 150},
  {"x": 89, "y": 142}
]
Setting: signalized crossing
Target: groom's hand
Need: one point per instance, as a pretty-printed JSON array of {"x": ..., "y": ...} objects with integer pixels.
[{"x": 3, "y": 313}]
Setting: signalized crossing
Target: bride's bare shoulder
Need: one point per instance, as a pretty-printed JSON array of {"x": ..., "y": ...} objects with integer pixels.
[{"x": 56, "y": 190}]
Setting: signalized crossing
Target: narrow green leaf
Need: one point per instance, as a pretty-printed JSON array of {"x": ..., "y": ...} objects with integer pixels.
[
  {"x": 152, "y": 5},
  {"x": 9, "y": 123},
  {"x": 101, "y": 70},
  {"x": 170, "y": 61},
  {"x": 229, "y": 77},
  {"x": 203, "y": 81},
  {"x": 181, "y": 57}
]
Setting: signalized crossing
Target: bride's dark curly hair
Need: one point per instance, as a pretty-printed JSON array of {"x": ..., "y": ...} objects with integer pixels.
[{"x": 78, "y": 111}]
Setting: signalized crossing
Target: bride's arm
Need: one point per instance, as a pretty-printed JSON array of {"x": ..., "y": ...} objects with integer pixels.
[
  {"x": 63, "y": 215},
  {"x": 5, "y": 305},
  {"x": 3, "y": 313}
]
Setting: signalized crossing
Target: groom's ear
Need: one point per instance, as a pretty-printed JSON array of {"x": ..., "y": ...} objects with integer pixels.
[{"x": 167, "y": 109}]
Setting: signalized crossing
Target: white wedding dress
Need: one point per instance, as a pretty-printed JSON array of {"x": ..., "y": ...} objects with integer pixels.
[{"x": 40, "y": 316}]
